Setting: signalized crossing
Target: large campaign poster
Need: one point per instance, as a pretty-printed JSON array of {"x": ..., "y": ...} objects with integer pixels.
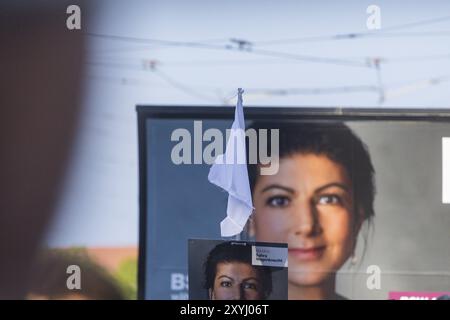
[{"x": 405, "y": 248}]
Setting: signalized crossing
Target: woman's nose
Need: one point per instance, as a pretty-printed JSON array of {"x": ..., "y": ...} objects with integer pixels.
[
  {"x": 305, "y": 219},
  {"x": 235, "y": 293},
  {"x": 242, "y": 295}
]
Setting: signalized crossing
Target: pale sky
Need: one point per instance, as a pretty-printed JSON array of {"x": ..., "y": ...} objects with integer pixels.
[{"x": 100, "y": 202}]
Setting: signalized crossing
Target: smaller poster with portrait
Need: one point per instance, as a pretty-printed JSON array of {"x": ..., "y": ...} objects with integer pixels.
[{"x": 237, "y": 270}]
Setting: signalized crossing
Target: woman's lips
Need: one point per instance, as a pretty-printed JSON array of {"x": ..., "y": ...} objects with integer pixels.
[{"x": 307, "y": 254}]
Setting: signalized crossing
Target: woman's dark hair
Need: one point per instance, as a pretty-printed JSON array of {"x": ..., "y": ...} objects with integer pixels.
[
  {"x": 231, "y": 251},
  {"x": 332, "y": 139}
]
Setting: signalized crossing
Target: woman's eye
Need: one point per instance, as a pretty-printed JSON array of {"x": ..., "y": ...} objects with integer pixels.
[
  {"x": 251, "y": 286},
  {"x": 278, "y": 201},
  {"x": 225, "y": 284},
  {"x": 329, "y": 199}
]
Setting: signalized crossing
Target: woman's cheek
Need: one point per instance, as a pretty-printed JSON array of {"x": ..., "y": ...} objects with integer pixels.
[
  {"x": 337, "y": 228},
  {"x": 271, "y": 226}
]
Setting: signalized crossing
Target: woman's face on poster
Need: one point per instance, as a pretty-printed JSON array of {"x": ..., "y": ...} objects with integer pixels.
[
  {"x": 307, "y": 204},
  {"x": 236, "y": 281}
]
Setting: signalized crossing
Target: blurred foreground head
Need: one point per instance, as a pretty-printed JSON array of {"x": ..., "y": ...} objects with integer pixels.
[{"x": 40, "y": 63}]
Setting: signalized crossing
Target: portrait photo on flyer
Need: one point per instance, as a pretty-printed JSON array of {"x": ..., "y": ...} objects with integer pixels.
[{"x": 237, "y": 270}]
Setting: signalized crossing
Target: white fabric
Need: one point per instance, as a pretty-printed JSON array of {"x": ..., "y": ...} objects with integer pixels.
[{"x": 229, "y": 172}]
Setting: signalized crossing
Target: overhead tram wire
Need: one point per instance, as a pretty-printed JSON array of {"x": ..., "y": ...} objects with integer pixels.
[
  {"x": 417, "y": 23},
  {"x": 313, "y": 91},
  {"x": 386, "y": 92},
  {"x": 351, "y": 36},
  {"x": 156, "y": 67},
  {"x": 275, "y": 54},
  {"x": 140, "y": 48},
  {"x": 182, "y": 87},
  {"x": 189, "y": 90},
  {"x": 115, "y": 62},
  {"x": 384, "y": 32},
  {"x": 383, "y": 92}
]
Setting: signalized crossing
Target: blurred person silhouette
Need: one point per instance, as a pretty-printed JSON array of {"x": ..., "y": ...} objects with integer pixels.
[
  {"x": 49, "y": 277},
  {"x": 40, "y": 81}
]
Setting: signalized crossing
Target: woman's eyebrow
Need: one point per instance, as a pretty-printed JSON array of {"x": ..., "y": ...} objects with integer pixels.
[
  {"x": 251, "y": 278},
  {"x": 333, "y": 184},
  {"x": 277, "y": 186},
  {"x": 224, "y": 276}
]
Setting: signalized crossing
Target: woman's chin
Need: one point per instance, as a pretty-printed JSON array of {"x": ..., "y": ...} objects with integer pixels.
[{"x": 308, "y": 276}]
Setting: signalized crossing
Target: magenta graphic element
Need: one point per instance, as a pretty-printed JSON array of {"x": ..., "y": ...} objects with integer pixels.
[{"x": 416, "y": 295}]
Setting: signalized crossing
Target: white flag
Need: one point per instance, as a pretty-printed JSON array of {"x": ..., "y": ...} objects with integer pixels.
[{"x": 229, "y": 172}]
